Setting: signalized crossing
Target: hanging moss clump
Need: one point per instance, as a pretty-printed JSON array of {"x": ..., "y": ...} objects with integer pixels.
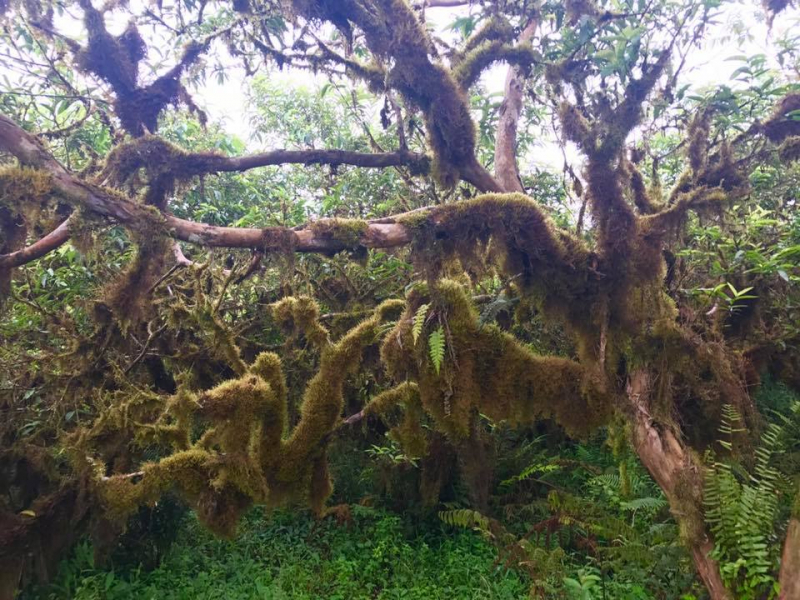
[
  {"x": 409, "y": 433},
  {"x": 300, "y": 316},
  {"x": 128, "y": 296},
  {"x": 486, "y": 371},
  {"x": 245, "y": 455}
]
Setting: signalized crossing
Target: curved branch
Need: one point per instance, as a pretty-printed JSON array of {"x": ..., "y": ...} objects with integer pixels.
[
  {"x": 47, "y": 244},
  {"x": 326, "y": 236}
]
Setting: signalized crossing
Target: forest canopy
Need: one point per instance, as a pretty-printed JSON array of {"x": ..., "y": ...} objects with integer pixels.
[{"x": 445, "y": 232}]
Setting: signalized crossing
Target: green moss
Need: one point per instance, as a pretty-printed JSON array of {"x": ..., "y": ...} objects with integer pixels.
[
  {"x": 21, "y": 185},
  {"x": 789, "y": 150},
  {"x": 346, "y": 232},
  {"x": 496, "y": 28},
  {"x": 300, "y": 315},
  {"x": 322, "y": 406},
  {"x": 469, "y": 69},
  {"x": 486, "y": 371}
]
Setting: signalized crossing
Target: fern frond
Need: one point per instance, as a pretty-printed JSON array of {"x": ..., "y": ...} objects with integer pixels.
[
  {"x": 436, "y": 346},
  {"x": 419, "y": 321},
  {"x": 645, "y": 503},
  {"x": 495, "y": 307},
  {"x": 466, "y": 518}
]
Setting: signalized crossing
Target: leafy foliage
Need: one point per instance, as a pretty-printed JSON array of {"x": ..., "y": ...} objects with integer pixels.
[
  {"x": 294, "y": 556},
  {"x": 743, "y": 506}
]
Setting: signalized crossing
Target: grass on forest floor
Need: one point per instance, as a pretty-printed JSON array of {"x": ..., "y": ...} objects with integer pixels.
[{"x": 293, "y": 556}]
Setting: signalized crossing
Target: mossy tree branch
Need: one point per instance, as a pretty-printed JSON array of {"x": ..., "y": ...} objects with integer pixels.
[
  {"x": 324, "y": 236},
  {"x": 144, "y": 152},
  {"x": 392, "y": 31}
]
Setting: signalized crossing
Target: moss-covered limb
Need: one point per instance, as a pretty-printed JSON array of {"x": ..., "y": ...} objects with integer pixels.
[
  {"x": 158, "y": 157},
  {"x": 627, "y": 115},
  {"x": 323, "y": 399},
  {"x": 236, "y": 407},
  {"x": 388, "y": 399},
  {"x": 535, "y": 230},
  {"x": 642, "y": 198},
  {"x": 470, "y": 68},
  {"x": 403, "y": 399},
  {"x": 666, "y": 219},
  {"x": 514, "y": 222},
  {"x": 392, "y": 31},
  {"x": 487, "y": 371},
  {"x": 300, "y": 316},
  {"x": 267, "y": 365},
  {"x": 221, "y": 474}
]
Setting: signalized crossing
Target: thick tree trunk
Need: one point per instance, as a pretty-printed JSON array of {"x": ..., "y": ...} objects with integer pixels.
[
  {"x": 10, "y": 575},
  {"x": 790, "y": 562},
  {"x": 677, "y": 472}
]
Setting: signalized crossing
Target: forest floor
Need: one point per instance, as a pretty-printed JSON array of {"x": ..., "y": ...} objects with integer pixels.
[{"x": 374, "y": 555}]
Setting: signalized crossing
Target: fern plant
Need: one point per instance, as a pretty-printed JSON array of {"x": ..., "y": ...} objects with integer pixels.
[{"x": 742, "y": 510}]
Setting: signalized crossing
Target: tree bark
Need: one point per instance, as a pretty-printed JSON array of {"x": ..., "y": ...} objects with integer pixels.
[
  {"x": 678, "y": 474},
  {"x": 46, "y": 244},
  {"x": 506, "y": 170},
  {"x": 790, "y": 562}
]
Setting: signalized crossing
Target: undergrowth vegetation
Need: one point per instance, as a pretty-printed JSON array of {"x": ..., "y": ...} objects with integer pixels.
[{"x": 374, "y": 554}]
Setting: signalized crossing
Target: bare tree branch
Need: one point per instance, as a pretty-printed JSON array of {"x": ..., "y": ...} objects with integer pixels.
[
  {"x": 506, "y": 170},
  {"x": 47, "y": 244}
]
